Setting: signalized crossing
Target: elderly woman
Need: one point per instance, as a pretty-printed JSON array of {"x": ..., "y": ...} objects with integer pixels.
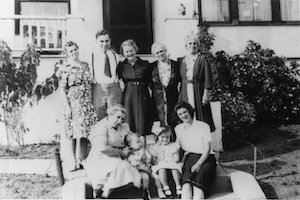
[
  {"x": 104, "y": 164},
  {"x": 199, "y": 168},
  {"x": 165, "y": 80},
  {"x": 196, "y": 75},
  {"x": 136, "y": 75},
  {"x": 75, "y": 86}
]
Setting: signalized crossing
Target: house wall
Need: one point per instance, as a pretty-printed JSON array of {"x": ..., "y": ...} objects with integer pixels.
[{"x": 284, "y": 40}]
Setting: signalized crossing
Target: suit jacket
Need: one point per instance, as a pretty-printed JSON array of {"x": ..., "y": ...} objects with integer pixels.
[{"x": 165, "y": 95}]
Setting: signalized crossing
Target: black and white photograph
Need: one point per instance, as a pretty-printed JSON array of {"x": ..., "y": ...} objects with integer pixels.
[{"x": 150, "y": 99}]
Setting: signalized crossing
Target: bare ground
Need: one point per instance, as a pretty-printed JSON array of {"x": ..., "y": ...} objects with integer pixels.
[
  {"x": 278, "y": 161},
  {"x": 278, "y": 166}
]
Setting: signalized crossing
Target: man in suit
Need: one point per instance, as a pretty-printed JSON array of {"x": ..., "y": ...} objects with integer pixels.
[{"x": 106, "y": 87}]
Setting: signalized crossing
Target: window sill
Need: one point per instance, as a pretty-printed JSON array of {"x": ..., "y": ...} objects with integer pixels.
[
  {"x": 180, "y": 18},
  {"x": 215, "y": 24}
]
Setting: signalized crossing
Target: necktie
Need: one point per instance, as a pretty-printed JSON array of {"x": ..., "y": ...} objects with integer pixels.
[{"x": 107, "y": 71}]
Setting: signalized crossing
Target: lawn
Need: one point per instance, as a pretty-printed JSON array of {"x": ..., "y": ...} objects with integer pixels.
[{"x": 278, "y": 166}]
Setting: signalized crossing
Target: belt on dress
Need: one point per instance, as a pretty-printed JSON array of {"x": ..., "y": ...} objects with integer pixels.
[{"x": 136, "y": 83}]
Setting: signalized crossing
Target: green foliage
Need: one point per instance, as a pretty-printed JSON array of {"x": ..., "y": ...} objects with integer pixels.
[
  {"x": 16, "y": 87},
  {"x": 205, "y": 37},
  {"x": 255, "y": 87},
  {"x": 48, "y": 86},
  {"x": 266, "y": 82}
]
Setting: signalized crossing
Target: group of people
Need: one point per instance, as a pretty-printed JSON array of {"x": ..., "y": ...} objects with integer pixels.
[{"x": 113, "y": 103}]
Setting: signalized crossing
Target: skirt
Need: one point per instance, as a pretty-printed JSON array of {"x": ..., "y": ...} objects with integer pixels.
[{"x": 204, "y": 178}]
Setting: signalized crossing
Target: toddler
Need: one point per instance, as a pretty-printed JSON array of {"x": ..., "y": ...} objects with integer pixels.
[
  {"x": 166, "y": 156},
  {"x": 139, "y": 158}
]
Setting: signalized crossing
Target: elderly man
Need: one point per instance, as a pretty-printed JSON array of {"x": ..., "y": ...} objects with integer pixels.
[{"x": 106, "y": 88}]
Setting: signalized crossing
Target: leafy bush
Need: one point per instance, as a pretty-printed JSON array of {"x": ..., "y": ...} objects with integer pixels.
[
  {"x": 238, "y": 115},
  {"x": 266, "y": 82},
  {"x": 17, "y": 85},
  {"x": 238, "y": 118}
]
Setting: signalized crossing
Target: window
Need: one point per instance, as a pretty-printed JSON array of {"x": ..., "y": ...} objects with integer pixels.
[
  {"x": 290, "y": 10},
  {"x": 45, "y": 25},
  {"x": 250, "y": 12},
  {"x": 132, "y": 18},
  {"x": 215, "y": 10},
  {"x": 255, "y": 10}
]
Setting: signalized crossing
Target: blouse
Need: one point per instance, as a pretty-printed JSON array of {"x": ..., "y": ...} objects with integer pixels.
[
  {"x": 164, "y": 70},
  {"x": 194, "y": 138},
  {"x": 103, "y": 134}
]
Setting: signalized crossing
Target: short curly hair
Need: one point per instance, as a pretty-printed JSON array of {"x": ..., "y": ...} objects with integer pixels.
[{"x": 185, "y": 105}]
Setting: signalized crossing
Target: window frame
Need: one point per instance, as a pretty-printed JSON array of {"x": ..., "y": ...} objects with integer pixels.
[
  {"x": 234, "y": 16},
  {"x": 18, "y": 9},
  {"x": 18, "y": 12}
]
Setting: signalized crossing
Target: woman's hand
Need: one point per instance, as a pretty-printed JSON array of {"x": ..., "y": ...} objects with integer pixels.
[
  {"x": 195, "y": 168},
  {"x": 205, "y": 97},
  {"x": 125, "y": 152}
]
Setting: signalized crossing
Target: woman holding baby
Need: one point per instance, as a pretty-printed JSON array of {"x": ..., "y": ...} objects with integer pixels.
[{"x": 105, "y": 165}]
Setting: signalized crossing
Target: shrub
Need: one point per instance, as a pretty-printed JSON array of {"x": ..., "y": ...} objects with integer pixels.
[
  {"x": 238, "y": 115},
  {"x": 266, "y": 82},
  {"x": 16, "y": 88}
]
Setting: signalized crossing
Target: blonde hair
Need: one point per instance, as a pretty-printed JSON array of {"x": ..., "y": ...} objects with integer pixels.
[
  {"x": 129, "y": 42},
  {"x": 69, "y": 44},
  {"x": 128, "y": 138},
  {"x": 157, "y": 45},
  {"x": 115, "y": 108}
]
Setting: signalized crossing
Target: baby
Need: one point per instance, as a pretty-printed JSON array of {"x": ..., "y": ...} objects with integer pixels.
[
  {"x": 166, "y": 155},
  {"x": 139, "y": 158}
]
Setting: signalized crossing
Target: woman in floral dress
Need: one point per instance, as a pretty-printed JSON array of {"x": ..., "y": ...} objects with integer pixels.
[{"x": 75, "y": 86}]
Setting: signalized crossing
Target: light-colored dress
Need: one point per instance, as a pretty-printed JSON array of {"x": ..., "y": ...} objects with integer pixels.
[
  {"x": 165, "y": 157},
  {"x": 77, "y": 81},
  {"x": 141, "y": 160},
  {"x": 109, "y": 172}
]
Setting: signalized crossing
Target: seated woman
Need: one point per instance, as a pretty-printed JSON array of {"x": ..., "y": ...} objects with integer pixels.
[
  {"x": 104, "y": 164},
  {"x": 199, "y": 167}
]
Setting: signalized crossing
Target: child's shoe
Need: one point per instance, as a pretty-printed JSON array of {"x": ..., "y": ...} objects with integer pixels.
[
  {"x": 178, "y": 192},
  {"x": 161, "y": 193},
  {"x": 146, "y": 195},
  {"x": 167, "y": 192}
]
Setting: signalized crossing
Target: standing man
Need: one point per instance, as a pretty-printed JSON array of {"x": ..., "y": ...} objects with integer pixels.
[{"x": 106, "y": 87}]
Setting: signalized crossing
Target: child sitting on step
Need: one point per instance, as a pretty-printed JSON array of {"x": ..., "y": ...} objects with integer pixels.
[
  {"x": 166, "y": 156},
  {"x": 139, "y": 158}
]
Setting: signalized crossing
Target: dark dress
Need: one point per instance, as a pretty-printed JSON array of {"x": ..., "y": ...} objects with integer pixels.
[
  {"x": 136, "y": 97},
  {"x": 202, "y": 79},
  {"x": 165, "y": 98}
]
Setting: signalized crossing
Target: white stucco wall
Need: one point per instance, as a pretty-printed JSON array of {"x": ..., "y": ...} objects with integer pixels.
[
  {"x": 284, "y": 40},
  {"x": 7, "y": 8}
]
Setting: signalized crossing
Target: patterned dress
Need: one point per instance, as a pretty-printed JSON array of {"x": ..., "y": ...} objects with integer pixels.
[{"x": 77, "y": 81}]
